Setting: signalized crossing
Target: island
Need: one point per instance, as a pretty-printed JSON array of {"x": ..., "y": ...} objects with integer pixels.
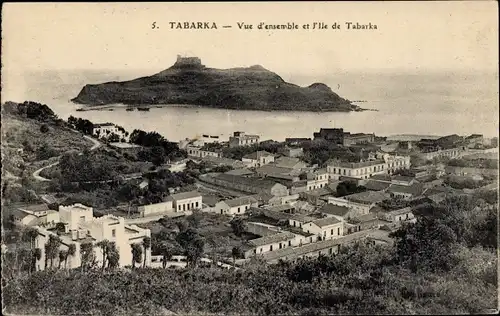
[{"x": 189, "y": 82}]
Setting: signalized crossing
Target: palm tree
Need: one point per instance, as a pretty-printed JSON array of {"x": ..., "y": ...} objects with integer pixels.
[
  {"x": 37, "y": 255},
  {"x": 63, "y": 256},
  {"x": 51, "y": 249},
  {"x": 71, "y": 253},
  {"x": 236, "y": 252},
  {"x": 87, "y": 254},
  {"x": 136, "y": 254},
  {"x": 113, "y": 256},
  {"x": 166, "y": 250},
  {"x": 104, "y": 244},
  {"x": 146, "y": 243},
  {"x": 31, "y": 234}
]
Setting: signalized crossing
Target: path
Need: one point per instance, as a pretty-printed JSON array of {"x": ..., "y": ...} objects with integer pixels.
[{"x": 36, "y": 174}]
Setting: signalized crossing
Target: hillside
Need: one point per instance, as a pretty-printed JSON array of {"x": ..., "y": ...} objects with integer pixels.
[{"x": 189, "y": 82}]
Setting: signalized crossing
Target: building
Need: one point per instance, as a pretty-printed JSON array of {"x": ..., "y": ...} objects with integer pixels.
[
  {"x": 292, "y": 152},
  {"x": 290, "y": 163},
  {"x": 268, "y": 243},
  {"x": 395, "y": 163},
  {"x": 398, "y": 216},
  {"x": 198, "y": 152},
  {"x": 359, "y": 203},
  {"x": 360, "y": 170},
  {"x": 333, "y": 135},
  {"x": 258, "y": 158},
  {"x": 474, "y": 140},
  {"x": 337, "y": 211},
  {"x": 80, "y": 227},
  {"x": 106, "y": 129},
  {"x": 271, "y": 170},
  {"x": 185, "y": 201},
  {"x": 262, "y": 229},
  {"x": 406, "y": 192},
  {"x": 327, "y": 247},
  {"x": 156, "y": 208},
  {"x": 35, "y": 215},
  {"x": 188, "y": 62},
  {"x": 246, "y": 184},
  {"x": 326, "y": 228},
  {"x": 375, "y": 185},
  {"x": 403, "y": 180},
  {"x": 317, "y": 179},
  {"x": 444, "y": 153},
  {"x": 242, "y": 139},
  {"x": 297, "y": 141},
  {"x": 236, "y": 206},
  {"x": 222, "y": 161},
  {"x": 358, "y": 138}
]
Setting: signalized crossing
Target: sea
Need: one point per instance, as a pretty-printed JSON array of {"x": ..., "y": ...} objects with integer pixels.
[{"x": 407, "y": 103}]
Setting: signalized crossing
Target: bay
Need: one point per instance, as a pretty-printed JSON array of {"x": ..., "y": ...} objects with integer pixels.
[{"x": 426, "y": 103}]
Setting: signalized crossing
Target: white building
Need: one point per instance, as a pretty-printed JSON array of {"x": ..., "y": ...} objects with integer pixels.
[
  {"x": 185, "y": 201},
  {"x": 235, "y": 206},
  {"x": 317, "y": 179},
  {"x": 106, "y": 129},
  {"x": 271, "y": 242},
  {"x": 156, "y": 208},
  {"x": 258, "y": 159},
  {"x": 359, "y": 170},
  {"x": 35, "y": 215},
  {"x": 81, "y": 227},
  {"x": 242, "y": 139},
  {"x": 326, "y": 228},
  {"x": 195, "y": 151}
]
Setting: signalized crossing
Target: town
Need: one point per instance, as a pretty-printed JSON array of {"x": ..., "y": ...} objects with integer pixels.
[{"x": 226, "y": 203}]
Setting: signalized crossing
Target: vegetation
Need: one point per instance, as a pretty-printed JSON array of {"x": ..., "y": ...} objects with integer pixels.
[
  {"x": 239, "y": 152},
  {"x": 320, "y": 152},
  {"x": 349, "y": 187},
  {"x": 159, "y": 149},
  {"x": 474, "y": 163},
  {"x": 465, "y": 183},
  {"x": 253, "y": 88}
]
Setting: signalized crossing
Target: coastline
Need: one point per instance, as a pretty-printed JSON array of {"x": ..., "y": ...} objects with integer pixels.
[{"x": 120, "y": 106}]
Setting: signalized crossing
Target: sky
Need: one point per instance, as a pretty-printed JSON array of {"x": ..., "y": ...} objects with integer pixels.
[{"x": 414, "y": 36}]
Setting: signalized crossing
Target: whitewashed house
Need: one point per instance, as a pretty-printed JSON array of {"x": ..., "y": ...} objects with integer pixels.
[
  {"x": 258, "y": 159},
  {"x": 185, "y": 201},
  {"x": 327, "y": 228},
  {"x": 81, "y": 227},
  {"x": 236, "y": 206}
]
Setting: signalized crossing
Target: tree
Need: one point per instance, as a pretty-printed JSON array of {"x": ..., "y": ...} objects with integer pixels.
[
  {"x": 146, "y": 243},
  {"x": 37, "y": 255},
  {"x": 192, "y": 243},
  {"x": 236, "y": 252},
  {"x": 104, "y": 245},
  {"x": 113, "y": 138},
  {"x": 71, "y": 253},
  {"x": 63, "y": 257},
  {"x": 51, "y": 249},
  {"x": 158, "y": 155},
  {"x": 87, "y": 255},
  {"x": 113, "y": 256},
  {"x": 166, "y": 250},
  {"x": 44, "y": 128},
  {"x": 239, "y": 226},
  {"x": 136, "y": 254},
  {"x": 195, "y": 218},
  {"x": 60, "y": 228},
  {"x": 425, "y": 245}
]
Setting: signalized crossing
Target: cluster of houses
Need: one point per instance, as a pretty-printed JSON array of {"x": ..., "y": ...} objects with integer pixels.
[
  {"x": 81, "y": 227},
  {"x": 294, "y": 209}
]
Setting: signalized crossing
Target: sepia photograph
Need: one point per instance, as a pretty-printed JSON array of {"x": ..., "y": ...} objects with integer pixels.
[{"x": 238, "y": 158}]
